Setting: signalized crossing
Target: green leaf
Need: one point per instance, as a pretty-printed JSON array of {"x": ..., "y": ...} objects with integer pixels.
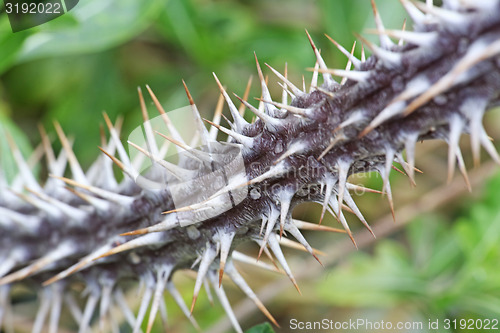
[
  {"x": 93, "y": 25},
  {"x": 262, "y": 328},
  {"x": 7, "y": 164},
  {"x": 10, "y": 43},
  {"x": 384, "y": 280}
]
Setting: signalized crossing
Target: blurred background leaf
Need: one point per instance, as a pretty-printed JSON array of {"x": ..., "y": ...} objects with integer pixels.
[{"x": 262, "y": 328}]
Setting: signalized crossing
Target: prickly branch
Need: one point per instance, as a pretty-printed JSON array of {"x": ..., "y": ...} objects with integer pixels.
[{"x": 435, "y": 82}]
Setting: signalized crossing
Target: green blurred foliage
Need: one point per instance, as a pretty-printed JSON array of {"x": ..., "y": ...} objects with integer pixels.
[{"x": 262, "y": 328}]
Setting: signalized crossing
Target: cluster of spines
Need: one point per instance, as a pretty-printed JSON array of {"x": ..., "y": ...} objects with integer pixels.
[{"x": 436, "y": 85}]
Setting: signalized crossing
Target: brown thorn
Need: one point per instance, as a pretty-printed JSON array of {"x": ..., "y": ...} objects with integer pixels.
[
  {"x": 366, "y": 189},
  {"x": 352, "y": 239},
  {"x": 365, "y": 131},
  {"x": 299, "y": 246},
  {"x": 295, "y": 285},
  {"x": 49, "y": 152},
  {"x": 259, "y": 70},
  {"x": 70, "y": 182},
  {"x": 400, "y": 43},
  {"x": 65, "y": 143},
  {"x": 374, "y": 8},
  {"x": 102, "y": 135},
  {"x": 292, "y": 109},
  {"x": 221, "y": 273},
  {"x": 328, "y": 93},
  {"x": 109, "y": 124},
  {"x": 366, "y": 42},
  {"x": 114, "y": 159},
  {"x": 398, "y": 170},
  {"x": 347, "y": 209},
  {"x": 323, "y": 211},
  {"x": 108, "y": 253},
  {"x": 447, "y": 80},
  {"x": 242, "y": 107},
  {"x": 284, "y": 95},
  {"x": 175, "y": 142},
  {"x": 260, "y": 250},
  {"x": 311, "y": 41},
  {"x": 212, "y": 123},
  {"x": 391, "y": 205},
  {"x": 155, "y": 100},
  {"x": 227, "y": 120},
  {"x": 118, "y": 124},
  {"x": 195, "y": 297},
  {"x": 263, "y": 309},
  {"x": 317, "y": 227},
  {"x": 144, "y": 110},
  {"x": 71, "y": 272},
  {"x": 190, "y": 98},
  {"x": 136, "y": 232},
  {"x": 317, "y": 259},
  {"x": 269, "y": 255},
  {"x": 185, "y": 208},
  {"x": 173, "y": 210},
  {"x": 50, "y": 281},
  {"x": 75, "y": 192}
]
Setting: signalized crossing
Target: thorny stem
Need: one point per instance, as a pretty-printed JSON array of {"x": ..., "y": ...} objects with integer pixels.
[{"x": 383, "y": 227}]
